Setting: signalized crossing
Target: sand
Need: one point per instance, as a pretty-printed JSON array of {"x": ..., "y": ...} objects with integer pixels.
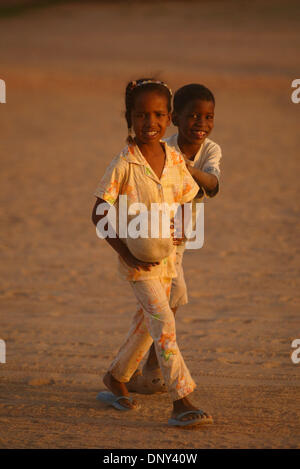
[{"x": 64, "y": 311}]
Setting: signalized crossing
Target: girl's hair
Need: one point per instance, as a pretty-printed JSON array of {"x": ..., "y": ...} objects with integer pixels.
[
  {"x": 135, "y": 88},
  {"x": 189, "y": 93}
]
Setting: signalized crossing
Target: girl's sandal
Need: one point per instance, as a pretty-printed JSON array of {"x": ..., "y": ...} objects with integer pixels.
[{"x": 204, "y": 420}]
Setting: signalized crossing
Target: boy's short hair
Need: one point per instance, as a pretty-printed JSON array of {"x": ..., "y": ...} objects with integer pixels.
[{"x": 190, "y": 93}]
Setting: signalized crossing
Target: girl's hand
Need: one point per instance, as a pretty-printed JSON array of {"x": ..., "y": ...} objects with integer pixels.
[{"x": 135, "y": 263}]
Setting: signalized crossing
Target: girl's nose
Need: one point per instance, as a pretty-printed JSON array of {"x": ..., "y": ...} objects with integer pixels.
[{"x": 150, "y": 119}]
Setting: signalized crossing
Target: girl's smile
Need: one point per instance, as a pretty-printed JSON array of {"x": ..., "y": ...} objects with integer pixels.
[{"x": 150, "y": 117}]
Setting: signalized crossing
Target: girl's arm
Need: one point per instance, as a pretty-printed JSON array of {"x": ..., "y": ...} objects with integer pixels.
[{"x": 118, "y": 245}]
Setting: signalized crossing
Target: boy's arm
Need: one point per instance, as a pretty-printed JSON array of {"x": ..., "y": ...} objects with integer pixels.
[
  {"x": 206, "y": 180},
  {"x": 117, "y": 244}
]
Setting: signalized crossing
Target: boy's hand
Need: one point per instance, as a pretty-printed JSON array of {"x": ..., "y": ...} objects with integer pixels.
[
  {"x": 178, "y": 241},
  {"x": 190, "y": 165},
  {"x": 206, "y": 180},
  {"x": 188, "y": 162}
]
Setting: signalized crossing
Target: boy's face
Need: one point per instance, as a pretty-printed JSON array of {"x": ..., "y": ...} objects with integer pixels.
[
  {"x": 195, "y": 122},
  {"x": 150, "y": 117}
]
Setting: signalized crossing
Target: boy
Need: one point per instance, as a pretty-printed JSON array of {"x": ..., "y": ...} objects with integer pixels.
[{"x": 193, "y": 114}]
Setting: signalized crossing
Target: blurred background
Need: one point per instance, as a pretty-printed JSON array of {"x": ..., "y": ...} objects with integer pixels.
[{"x": 64, "y": 309}]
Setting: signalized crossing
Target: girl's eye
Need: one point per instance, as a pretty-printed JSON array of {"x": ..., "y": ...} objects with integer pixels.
[{"x": 209, "y": 117}]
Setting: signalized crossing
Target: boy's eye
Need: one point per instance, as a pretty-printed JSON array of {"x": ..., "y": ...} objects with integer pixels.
[{"x": 198, "y": 116}]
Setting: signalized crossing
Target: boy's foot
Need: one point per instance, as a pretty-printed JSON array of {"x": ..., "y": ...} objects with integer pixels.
[
  {"x": 184, "y": 405},
  {"x": 119, "y": 389}
]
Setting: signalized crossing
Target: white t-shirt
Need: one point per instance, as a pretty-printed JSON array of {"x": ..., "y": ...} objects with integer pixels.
[{"x": 207, "y": 159}]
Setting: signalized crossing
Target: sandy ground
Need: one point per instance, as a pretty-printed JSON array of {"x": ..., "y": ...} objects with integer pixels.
[{"x": 64, "y": 311}]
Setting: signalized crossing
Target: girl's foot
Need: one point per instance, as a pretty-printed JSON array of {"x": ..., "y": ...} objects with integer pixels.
[
  {"x": 184, "y": 405},
  {"x": 119, "y": 389}
]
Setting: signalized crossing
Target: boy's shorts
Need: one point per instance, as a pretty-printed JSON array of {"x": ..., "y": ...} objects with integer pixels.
[{"x": 178, "y": 295}]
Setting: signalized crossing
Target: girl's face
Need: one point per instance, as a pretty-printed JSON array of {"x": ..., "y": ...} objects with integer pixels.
[
  {"x": 150, "y": 117},
  {"x": 195, "y": 122}
]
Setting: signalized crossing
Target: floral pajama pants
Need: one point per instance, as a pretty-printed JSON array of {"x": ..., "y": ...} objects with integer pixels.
[{"x": 154, "y": 322}]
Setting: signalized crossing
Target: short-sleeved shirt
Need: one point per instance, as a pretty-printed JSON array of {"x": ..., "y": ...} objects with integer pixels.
[
  {"x": 207, "y": 159},
  {"x": 130, "y": 174}
]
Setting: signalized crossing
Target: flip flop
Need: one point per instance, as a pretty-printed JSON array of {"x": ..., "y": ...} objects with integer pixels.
[
  {"x": 111, "y": 399},
  {"x": 150, "y": 382},
  {"x": 183, "y": 423}
]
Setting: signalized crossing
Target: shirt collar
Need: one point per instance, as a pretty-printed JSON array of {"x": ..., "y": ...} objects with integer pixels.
[{"x": 133, "y": 154}]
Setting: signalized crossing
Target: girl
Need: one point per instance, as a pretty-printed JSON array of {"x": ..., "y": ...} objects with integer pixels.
[
  {"x": 148, "y": 171},
  {"x": 193, "y": 114}
]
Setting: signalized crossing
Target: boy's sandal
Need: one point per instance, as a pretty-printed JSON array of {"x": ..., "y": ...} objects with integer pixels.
[{"x": 205, "y": 419}]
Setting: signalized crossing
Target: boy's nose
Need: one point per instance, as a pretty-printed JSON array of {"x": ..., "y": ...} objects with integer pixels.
[{"x": 201, "y": 120}]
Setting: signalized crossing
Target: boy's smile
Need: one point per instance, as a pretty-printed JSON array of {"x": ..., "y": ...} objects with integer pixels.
[
  {"x": 150, "y": 117},
  {"x": 195, "y": 122}
]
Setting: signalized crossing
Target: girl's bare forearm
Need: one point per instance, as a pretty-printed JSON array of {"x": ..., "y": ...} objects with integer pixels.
[
  {"x": 117, "y": 245},
  {"x": 114, "y": 240}
]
